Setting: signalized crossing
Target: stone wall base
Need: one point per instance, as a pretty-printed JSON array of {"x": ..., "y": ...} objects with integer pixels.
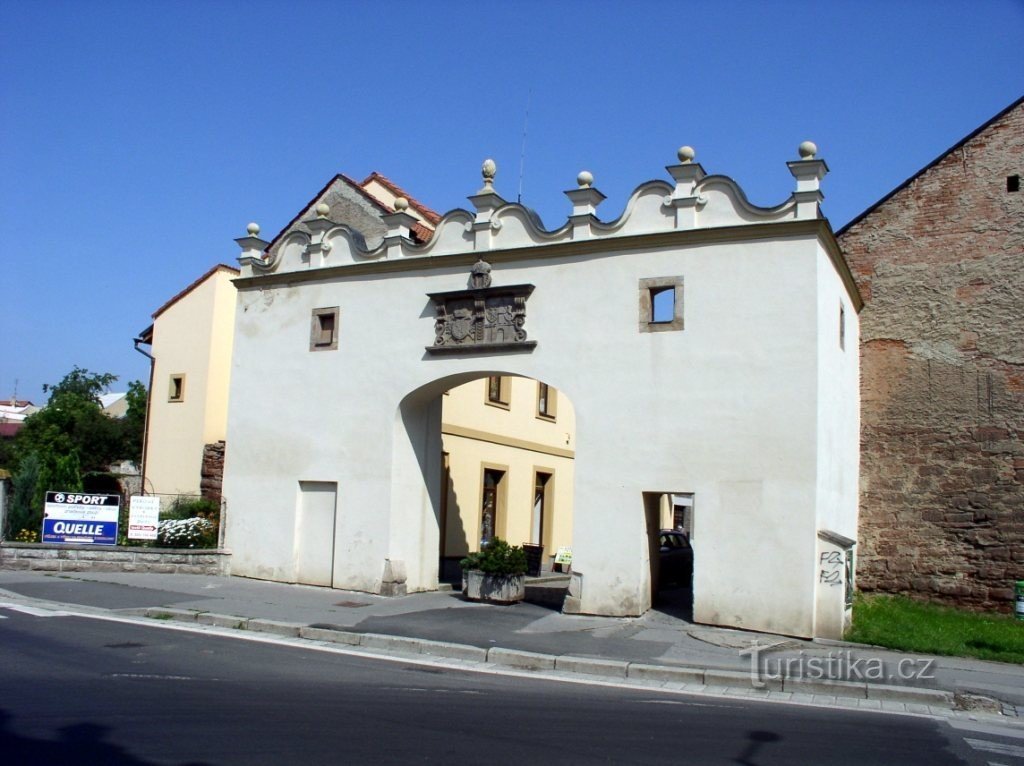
[{"x": 72, "y": 558}]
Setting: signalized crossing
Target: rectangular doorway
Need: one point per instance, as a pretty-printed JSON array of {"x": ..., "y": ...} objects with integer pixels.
[{"x": 314, "y": 532}]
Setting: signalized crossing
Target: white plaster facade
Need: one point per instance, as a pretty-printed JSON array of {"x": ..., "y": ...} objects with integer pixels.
[{"x": 748, "y": 401}]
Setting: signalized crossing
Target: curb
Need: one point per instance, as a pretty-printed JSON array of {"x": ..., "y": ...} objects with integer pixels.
[{"x": 870, "y": 696}]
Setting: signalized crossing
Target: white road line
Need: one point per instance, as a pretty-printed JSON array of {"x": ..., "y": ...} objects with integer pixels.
[
  {"x": 984, "y": 728},
  {"x": 34, "y": 611},
  {"x": 995, "y": 747}
]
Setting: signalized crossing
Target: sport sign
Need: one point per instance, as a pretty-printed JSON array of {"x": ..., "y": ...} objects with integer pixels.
[{"x": 73, "y": 517}]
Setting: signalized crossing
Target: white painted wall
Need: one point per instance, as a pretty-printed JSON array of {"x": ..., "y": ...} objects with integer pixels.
[{"x": 729, "y": 408}]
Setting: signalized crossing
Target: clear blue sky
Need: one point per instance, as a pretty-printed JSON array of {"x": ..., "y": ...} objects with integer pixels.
[{"x": 137, "y": 139}]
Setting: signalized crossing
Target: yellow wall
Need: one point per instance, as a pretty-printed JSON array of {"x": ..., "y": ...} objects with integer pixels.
[
  {"x": 478, "y": 435},
  {"x": 192, "y": 337}
]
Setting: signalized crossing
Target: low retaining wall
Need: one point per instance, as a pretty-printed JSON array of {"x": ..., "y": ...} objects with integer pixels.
[{"x": 81, "y": 558}]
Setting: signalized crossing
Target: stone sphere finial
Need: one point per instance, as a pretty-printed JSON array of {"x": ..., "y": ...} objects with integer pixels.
[
  {"x": 322, "y": 210},
  {"x": 585, "y": 179},
  {"x": 807, "y": 150},
  {"x": 253, "y": 229},
  {"x": 489, "y": 169},
  {"x": 401, "y": 204},
  {"x": 686, "y": 154}
]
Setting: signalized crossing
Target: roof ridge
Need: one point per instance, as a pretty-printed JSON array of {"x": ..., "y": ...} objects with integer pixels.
[{"x": 429, "y": 213}]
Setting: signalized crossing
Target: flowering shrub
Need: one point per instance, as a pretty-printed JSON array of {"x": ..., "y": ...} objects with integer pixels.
[
  {"x": 27, "y": 536},
  {"x": 187, "y": 533}
]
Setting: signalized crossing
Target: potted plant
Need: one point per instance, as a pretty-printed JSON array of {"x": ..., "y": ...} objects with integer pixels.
[{"x": 495, "y": 574}]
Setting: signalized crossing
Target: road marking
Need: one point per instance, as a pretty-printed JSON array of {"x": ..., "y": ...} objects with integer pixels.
[
  {"x": 34, "y": 611},
  {"x": 684, "y": 704},
  {"x": 158, "y": 677},
  {"x": 469, "y": 666},
  {"x": 995, "y": 747},
  {"x": 984, "y": 728}
]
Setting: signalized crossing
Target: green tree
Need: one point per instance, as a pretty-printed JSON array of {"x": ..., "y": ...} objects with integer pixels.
[
  {"x": 21, "y": 512},
  {"x": 133, "y": 424},
  {"x": 74, "y": 422},
  {"x": 69, "y": 438}
]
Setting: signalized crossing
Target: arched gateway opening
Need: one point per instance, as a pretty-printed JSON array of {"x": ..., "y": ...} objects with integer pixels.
[{"x": 487, "y": 455}]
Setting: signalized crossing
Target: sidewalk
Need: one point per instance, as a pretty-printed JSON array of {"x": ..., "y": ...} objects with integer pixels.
[{"x": 657, "y": 647}]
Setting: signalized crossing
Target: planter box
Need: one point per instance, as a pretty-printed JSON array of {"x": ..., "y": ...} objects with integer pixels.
[{"x": 493, "y": 589}]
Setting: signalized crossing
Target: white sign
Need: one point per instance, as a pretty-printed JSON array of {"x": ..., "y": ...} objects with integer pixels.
[
  {"x": 75, "y": 517},
  {"x": 563, "y": 556},
  {"x": 143, "y": 517}
]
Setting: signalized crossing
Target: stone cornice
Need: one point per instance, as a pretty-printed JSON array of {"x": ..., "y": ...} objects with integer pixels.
[{"x": 604, "y": 247}]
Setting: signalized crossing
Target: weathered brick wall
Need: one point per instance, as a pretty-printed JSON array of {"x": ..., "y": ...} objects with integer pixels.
[
  {"x": 212, "y": 475},
  {"x": 941, "y": 267}
]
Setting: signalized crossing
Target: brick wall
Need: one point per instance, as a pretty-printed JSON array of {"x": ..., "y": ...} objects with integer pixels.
[
  {"x": 212, "y": 476},
  {"x": 941, "y": 267}
]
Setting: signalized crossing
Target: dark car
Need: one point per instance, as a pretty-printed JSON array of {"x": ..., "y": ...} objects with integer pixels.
[{"x": 676, "y": 558}]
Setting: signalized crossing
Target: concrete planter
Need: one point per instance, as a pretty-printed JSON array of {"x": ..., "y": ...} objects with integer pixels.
[{"x": 493, "y": 589}]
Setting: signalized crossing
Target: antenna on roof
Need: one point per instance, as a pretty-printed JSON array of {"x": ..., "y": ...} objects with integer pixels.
[{"x": 522, "y": 154}]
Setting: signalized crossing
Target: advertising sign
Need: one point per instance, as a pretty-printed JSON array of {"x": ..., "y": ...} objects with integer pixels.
[
  {"x": 74, "y": 517},
  {"x": 143, "y": 517}
]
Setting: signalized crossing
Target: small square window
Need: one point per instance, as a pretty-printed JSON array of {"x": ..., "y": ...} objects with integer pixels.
[
  {"x": 323, "y": 334},
  {"x": 1013, "y": 183},
  {"x": 661, "y": 304},
  {"x": 546, "y": 400},
  {"x": 498, "y": 391},
  {"x": 176, "y": 392}
]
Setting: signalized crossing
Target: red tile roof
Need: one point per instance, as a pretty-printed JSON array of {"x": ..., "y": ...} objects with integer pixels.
[
  {"x": 420, "y": 232},
  {"x": 432, "y": 216}
]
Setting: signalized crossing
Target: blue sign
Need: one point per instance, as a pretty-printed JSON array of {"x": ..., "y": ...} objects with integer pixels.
[{"x": 74, "y": 517}]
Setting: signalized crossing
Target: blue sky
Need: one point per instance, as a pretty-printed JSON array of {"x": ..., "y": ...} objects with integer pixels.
[{"x": 138, "y": 138}]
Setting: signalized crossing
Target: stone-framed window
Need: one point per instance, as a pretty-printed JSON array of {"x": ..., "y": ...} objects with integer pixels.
[
  {"x": 661, "y": 304},
  {"x": 323, "y": 332},
  {"x": 176, "y": 389}
]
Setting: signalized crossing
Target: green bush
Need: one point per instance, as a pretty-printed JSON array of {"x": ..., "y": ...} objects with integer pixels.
[
  {"x": 192, "y": 507},
  {"x": 497, "y": 558}
]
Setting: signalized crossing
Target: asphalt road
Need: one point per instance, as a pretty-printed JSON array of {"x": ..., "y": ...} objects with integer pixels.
[{"x": 75, "y": 690}]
